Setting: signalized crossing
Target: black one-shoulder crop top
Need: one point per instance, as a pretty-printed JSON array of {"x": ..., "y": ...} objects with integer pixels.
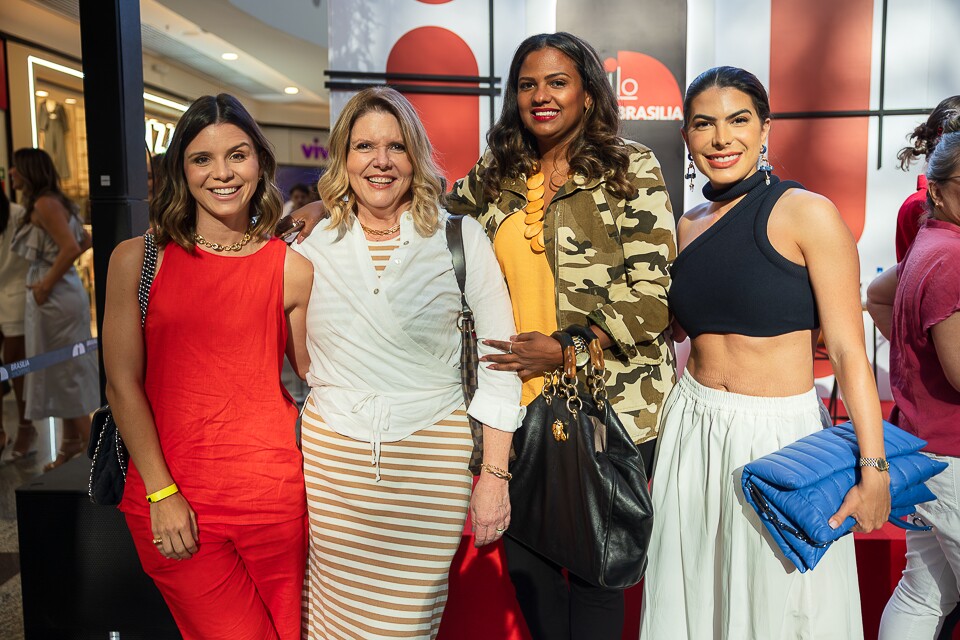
[{"x": 730, "y": 279}]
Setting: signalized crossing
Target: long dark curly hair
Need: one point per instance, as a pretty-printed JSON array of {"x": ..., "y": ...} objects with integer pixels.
[
  {"x": 596, "y": 150},
  {"x": 924, "y": 138}
]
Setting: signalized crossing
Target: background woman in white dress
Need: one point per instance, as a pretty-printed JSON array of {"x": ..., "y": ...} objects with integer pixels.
[{"x": 51, "y": 237}]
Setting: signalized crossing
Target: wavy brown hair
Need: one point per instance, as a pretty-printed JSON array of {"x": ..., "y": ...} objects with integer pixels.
[
  {"x": 428, "y": 184},
  {"x": 39, "y": 177},
  {"x": 173, "y": 210},
  {"x": 925, "y": 137},
  {"x": 597, "y": 149}
]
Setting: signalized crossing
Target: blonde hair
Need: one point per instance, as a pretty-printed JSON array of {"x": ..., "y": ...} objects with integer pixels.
[{"x": 429, "y": 185}]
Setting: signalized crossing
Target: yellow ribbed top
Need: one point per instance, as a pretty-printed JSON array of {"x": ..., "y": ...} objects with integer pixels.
[{"x": 531, "y": 284}]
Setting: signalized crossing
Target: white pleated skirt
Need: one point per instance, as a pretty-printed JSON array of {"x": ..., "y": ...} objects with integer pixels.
[
  {"x": 714, "y": 572},
  {"x": 380, "y": 551}
]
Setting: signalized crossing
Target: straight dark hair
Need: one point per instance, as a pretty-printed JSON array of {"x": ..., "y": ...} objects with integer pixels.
[
  {"x": 597, "y": 149},
  {"x": 728, "y": 78},
  {"x": 173, "y": 210}
]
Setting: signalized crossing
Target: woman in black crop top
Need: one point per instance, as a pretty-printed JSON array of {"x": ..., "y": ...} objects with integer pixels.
[{"x": 762, "y": 265}]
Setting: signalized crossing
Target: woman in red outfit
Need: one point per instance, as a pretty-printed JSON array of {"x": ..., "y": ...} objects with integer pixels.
[{"x": 214, "y": 496}]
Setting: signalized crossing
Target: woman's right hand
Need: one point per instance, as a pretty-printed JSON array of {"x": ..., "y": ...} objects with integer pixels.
[{"x": 175, "y": 523}]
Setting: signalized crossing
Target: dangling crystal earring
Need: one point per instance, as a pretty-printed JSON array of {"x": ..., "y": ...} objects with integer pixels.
[
  {"x": 691, "y": 171},
  {"x": 763, "y": 164}
]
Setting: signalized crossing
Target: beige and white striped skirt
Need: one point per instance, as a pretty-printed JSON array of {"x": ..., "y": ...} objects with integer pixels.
[{"x": 380, "y": 551}]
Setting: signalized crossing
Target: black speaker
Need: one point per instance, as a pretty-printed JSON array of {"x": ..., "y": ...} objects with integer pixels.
[{"x": 80, "y": 574}]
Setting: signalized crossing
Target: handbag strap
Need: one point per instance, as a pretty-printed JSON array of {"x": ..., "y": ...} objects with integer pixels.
[
  {"x": 908, "y": 526},
  {"x": 596, "y": 368},
  {"x": 455, "y": 244},
  {"x": 569, "y": 350},
  {"x": 147, "y": 271},
  {"x": 469, "y": 362}
]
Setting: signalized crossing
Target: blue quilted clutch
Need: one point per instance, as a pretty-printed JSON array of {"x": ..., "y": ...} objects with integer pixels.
[{"x": 797, "y": 489}]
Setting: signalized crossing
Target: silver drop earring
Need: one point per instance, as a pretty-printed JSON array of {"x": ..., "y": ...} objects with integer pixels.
[
  {"x": 691, "y": 171},
  {"x": 763, "y": 164}
]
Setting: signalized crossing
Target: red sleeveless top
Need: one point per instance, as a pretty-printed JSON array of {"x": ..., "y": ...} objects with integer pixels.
[{"x": 215, "y": 338}]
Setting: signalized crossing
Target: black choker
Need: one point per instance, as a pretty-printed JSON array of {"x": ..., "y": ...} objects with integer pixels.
[{"x": 736, "y": 190}]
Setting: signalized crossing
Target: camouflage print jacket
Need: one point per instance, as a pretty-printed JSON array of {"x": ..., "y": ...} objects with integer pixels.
[{"x": 611, "y": 259}]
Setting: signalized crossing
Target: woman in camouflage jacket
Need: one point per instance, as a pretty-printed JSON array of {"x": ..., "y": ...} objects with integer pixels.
[{"x": 582, "y": 226}]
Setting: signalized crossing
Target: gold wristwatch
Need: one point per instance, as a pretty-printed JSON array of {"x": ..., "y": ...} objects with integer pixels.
[{"x": 880, "y": 463}]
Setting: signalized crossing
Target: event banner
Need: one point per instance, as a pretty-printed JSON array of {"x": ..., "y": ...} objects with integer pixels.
[{"x": 643, "y": 46}]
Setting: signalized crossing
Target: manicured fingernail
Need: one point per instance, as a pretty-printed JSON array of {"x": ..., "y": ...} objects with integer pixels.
[{"x": 834, "y": 524}]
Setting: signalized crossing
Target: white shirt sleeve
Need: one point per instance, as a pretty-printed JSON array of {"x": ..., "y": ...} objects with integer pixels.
[{"x": 497, "y": 401}]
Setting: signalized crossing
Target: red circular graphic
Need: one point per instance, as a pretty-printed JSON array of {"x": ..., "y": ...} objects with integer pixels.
[
  {"x": 646, "y": 88},
  {"x": 451, "y": 121}
]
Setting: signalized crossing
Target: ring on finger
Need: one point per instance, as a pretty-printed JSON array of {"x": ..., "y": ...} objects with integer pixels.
[
  {"x": 510, "y": 350},
  {"x": 499, "y": 530},
  {"x": 158, "y": 540}
]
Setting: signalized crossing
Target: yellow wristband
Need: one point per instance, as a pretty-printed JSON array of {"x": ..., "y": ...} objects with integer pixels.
[{"x": 166, "y": 492}]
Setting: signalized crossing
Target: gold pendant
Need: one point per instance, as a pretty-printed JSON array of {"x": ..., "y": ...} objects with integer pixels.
[{"x": 559, "y": 432}]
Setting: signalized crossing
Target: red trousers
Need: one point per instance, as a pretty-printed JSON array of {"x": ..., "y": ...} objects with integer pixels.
[{"x": 244, "y": 583}]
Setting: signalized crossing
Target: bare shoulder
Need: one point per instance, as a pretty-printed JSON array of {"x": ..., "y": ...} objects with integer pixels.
[
  {"x": 296, "y": 265},
  {"x": 49, "y": 209},
  {"x": 128, "y": 255},
  {"x": 804, "y": 207},
  {"x": 811, "y": 220}
]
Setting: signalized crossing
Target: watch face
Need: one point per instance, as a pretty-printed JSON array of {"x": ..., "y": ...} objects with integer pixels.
[{"x": 883, "y": 465}]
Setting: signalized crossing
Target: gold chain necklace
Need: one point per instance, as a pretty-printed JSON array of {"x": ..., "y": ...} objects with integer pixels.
[
  {"x": 236, "y": 246},
  {"x": 379, "y": 232}
]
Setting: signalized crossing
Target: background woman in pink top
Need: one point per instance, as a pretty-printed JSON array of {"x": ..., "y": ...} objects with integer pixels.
[
  {"x": 922, "y": 142},
  {"x": 924, "y": 327}
]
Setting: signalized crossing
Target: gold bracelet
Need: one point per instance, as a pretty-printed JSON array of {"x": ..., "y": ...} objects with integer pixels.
[
  {"x": 166, "y": 492},
  {"x": 496, "y": 471}
]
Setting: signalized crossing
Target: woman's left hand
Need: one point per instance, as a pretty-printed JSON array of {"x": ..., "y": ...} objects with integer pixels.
[
  {"x": 41, "y": 292},
  {"x": 868, "y": 502},
  {"x": 529, "y": 354},
  {"x": 489, "y": 509}
]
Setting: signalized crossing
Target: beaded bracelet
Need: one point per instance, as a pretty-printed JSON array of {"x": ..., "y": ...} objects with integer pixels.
[
  {"x": 497, "y": 471},
  {"x": 166, "y": 492}
]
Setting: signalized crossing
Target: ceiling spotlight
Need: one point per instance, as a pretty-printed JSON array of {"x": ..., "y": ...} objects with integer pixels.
[
  {"x": 71, "y": 101},
  {"x": 44, "y": 94},
  {"x": 229, "y": 55},
  {"x": 291, "y": 91}
]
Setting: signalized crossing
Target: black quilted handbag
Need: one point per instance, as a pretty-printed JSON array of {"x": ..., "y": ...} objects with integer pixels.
[
  {"x": 579, "y": 491},
  {"x": 108, "y": 469}
]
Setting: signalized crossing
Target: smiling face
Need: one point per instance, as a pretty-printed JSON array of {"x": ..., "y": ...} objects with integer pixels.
[
  {"x": 551, "y": 97},
  {"x": 724, "y": 135},
  {"x": 222, "y": 171},
  {"x": 378, "y": 166}
]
